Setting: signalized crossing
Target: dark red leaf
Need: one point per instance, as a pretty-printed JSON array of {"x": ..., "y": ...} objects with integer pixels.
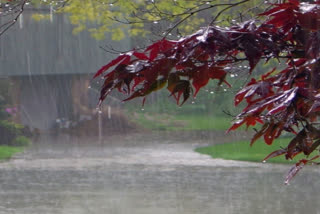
[
  {"x": 141, "y": 56},
  {"x": 236, "y": 125},
  {"x": 259, "y": 133},
  {"x": 275, "y": 154},
  {"x": 200, "y": 78},
  {"x": 109, "y": 65},
  {"x": 294, "y": 170}
]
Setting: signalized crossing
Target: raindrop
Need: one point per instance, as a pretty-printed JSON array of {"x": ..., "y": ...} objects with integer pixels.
[
  {"x": 142, "y": 109},
  {"x": 224, "y": 89},
  {"x": 207, "y": 2},
  {"x": 100, "y": 112},
  {"x": 89, "y": 87},
  {"x": 192, "y": 102},
  {"x": 155, "y": 22},
  {"x": 111, "y": 5},
  {"x": 211, "y": 92},
  {"x": 232, "y": 75},
  {"x": 264, "y": 161}
]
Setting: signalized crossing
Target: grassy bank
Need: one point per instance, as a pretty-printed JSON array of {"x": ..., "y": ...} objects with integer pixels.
[
  {"x": 181, "y": 122},
  {"x": 7, "y": 152},
  {"x": 242, "y": 151}
]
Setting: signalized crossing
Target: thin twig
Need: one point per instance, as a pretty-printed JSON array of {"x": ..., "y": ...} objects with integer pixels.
[
  {"x": 227, "y": 8},
  {"x": 12, "y": 22},
  {"x": 203, "y": 9}
]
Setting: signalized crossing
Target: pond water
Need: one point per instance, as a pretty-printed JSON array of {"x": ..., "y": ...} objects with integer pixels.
[{"x": 134, "y": 176}]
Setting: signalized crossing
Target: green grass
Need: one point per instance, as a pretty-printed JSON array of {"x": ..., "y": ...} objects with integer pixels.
[
  {"x": 182, "y": 122},
  {"x": 204, "y": 122},
  {"x": 242, "y": 151},
  {"x": 7, "y": 152}
]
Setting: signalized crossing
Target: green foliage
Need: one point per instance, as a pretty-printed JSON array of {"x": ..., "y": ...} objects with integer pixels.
[
  {"x": 9, "y": 131},
  {"x": 144, "y": 17},
  {"x": 10, "y": 126},
  {"x": 39, "y": 17},
  {"x": 21, "y": 141}
]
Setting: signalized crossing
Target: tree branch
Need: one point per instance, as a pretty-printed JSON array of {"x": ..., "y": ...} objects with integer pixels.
[{"x": 9, "y": 24}]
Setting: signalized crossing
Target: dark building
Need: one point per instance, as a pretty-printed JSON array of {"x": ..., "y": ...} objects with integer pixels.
[{"x": 50, "y": 69}]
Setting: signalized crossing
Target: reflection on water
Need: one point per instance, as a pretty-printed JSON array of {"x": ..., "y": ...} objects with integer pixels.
[
  {"x": 119, "y": 183},
  {"x": 137, "y": 189}
]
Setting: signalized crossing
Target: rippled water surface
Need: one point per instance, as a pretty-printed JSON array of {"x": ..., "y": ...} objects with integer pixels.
[{"x": 130, "y": 175}]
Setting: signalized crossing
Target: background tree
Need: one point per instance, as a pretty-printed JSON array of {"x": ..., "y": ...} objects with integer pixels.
[
  {"x": 134, "y": 18},
  {"x": 282, "y": 99}
]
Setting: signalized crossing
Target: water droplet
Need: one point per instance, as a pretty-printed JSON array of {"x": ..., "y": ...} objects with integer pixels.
[
  {"x": 100, "y": 112},
  {"x": 264, "y": 161},
  {"x": 224, "y": 89},
  {"x": 89, "y": 86},
  {"x": 211, "y": 92},
  {"x": 155, "y": 22},
  {"x": 232, "y": 75},
  {"x": 192, "y": 102},
  {"x": 142, "y": 109}
]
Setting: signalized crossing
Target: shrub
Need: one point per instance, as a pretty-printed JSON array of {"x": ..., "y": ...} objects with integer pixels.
[
  {"x": 9, "y": 132},
  {"x": 21, "y": 141}
]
